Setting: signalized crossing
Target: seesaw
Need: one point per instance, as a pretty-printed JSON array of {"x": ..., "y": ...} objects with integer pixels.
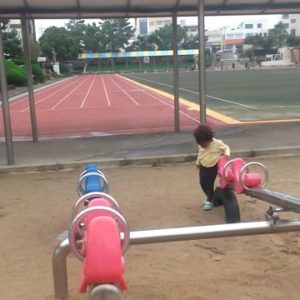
[{"x": 99, "y": 235}]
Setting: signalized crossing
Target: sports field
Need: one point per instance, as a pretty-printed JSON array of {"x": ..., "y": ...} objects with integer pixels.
[{"x": 244, "y": 95}]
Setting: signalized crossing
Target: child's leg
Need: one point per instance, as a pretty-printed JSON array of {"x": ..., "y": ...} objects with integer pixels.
[{"x": 207, "y": 178}]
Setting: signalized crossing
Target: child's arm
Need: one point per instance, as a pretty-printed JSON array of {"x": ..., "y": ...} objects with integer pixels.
[
  {"x": 225, "y": 149},
  {"x": 198, "y": 163}
]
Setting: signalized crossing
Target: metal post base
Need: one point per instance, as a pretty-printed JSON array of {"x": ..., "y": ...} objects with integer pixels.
[{"x": 105, "y": 292}]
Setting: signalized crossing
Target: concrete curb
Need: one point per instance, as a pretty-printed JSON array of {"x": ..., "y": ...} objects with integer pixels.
[{"x": 147, "y": 160}]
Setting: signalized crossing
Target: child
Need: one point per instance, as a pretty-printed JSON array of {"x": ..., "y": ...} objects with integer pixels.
[{"x": 210, "y": 149}]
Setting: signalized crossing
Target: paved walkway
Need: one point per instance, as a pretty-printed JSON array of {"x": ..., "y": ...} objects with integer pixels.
[{"x": 246, "y": 140}]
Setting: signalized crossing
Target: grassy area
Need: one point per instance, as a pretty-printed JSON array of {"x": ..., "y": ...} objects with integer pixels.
[{"x": 245, "y": 95}]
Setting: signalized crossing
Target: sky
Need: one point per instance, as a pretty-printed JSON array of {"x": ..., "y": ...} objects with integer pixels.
[{"x": 210, "y": 22}]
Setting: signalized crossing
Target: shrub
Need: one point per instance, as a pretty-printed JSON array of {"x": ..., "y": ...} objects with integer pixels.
[
  {"x": 36, "y": 69},
  {"x": 37, "y": 73},
  {"x": 16, "y": 75},
  {"x": 18, "y": 61},
  {"x": 64, "y": 68}
]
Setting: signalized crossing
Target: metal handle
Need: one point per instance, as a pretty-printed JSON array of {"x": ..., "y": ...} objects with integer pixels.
[
  {"x": 89, "y": 196},
  {"x": 81, "y": 191},
  {"x": 254, "y": 163},
  {"x": 225, "y": 167},
  {"x": 79, "y": 221},
  {"x": 85, "y": 171}
]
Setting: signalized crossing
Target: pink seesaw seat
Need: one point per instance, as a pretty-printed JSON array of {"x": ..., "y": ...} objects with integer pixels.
[
  {"x": 224, "y": 180},
  {"x": 232, "y": 175},
  {"x": 103, "y": 261}
]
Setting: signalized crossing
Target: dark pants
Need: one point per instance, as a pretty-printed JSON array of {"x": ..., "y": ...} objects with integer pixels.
[{"x": 207, "y": 177}]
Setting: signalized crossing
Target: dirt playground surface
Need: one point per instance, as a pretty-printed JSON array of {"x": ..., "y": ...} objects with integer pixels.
[{"x": 36, "y": 207}]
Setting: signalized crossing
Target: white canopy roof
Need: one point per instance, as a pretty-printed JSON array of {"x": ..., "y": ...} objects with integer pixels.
[{"x": 56, "y": 9}]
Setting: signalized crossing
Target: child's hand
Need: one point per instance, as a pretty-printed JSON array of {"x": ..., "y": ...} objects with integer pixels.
[{"x": 198, "y": 167}]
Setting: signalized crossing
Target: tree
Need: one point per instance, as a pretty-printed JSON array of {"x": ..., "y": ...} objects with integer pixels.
[
  {"x": 141, "y": 43},
  {"x": 192, "y": 42},
  {"x": 11, "y": 41},
  {"x": 256, "y": 40},
  {"x": 92, "y": 38},
  {"x": 4, "y": 23},
  {"x": 115, "y": 34},
  {"x": 278, "y": 35},
  {"x": 60, "y": 43},
  {"x": 293, "y": 41},
  {"x": 262, "y": 45},
  {"x": 163, "y": 37},
  {"x": 78, "y": 29},
  {"x": 276, "y": 38},
  {"x": 12, "y": 44},
  {"x": 77, "y": 26}
]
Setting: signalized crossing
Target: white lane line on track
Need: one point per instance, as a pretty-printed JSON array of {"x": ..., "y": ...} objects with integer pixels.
[
  {"x": 197, "y": 93},
  {"x": 70, "y": 93},
  {"x": 164, "y": 102},
  {"x": 105, "y": 91},
  {"x": 127, "y": 90},
  {"x": 24, "y": 96},
  {"x": 87, "y": 93},
  {"x": 124, "y": 91},
  {"x": 45, "y": 98},
  {"x": 172, "y": 106}
]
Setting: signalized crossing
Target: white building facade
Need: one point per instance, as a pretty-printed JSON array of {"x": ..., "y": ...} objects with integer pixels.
[
  {"x": 146, "y": 26},
  {"x": 292, "y": 23},
  {"x": 15, "y": 24},
  {"x": 226, "y": 38}
]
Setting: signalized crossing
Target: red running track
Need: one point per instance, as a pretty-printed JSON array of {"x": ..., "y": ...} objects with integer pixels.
[{"x": 96, "y": 105}]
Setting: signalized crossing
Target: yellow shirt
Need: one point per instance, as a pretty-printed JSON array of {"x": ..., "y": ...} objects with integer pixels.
[{"x": 209, "y": 156}]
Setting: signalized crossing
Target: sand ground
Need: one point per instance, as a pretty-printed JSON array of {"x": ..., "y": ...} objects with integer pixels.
[{"x": 36, "y": 207}]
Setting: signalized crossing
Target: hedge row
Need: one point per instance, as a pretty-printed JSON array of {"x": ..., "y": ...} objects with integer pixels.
[{"x": 16, "y": 73}]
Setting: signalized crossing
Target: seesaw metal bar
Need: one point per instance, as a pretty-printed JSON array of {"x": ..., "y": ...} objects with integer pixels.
[
  {"x": 210, "y": 231},
  {"x": 282, "y": 200},
  {"x": 59, "y": 269},
  {"x": 59, "y": 256}
]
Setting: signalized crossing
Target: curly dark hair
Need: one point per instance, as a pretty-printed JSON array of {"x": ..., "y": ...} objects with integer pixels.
[{"x": 203, "y": 133}]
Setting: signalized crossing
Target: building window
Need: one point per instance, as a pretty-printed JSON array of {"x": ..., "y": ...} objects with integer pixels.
[
  {"x": 285, "y": 16},
  {"x": 15, "y": 26},
  {"x": 259, "y": 25},
  {"x": 143, "y": 27},
  {"x": 293, "y": 32},
  {"x": 248, "y": 26},
  {"x": 293, "y": 21}
]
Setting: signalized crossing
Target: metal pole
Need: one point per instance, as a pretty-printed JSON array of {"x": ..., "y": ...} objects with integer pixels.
[
  {"x": 59, "y": 256},
  {"x": 211, "y": 231},
  {"x": 5, "y": 107},
  {"x": 201, "y": 61},
  {"x": 175, "y": 74},
  {"x": 279, "y": 199},
  {"x": 29, "y": 77},
  {"x": 59, "y": 268}
]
